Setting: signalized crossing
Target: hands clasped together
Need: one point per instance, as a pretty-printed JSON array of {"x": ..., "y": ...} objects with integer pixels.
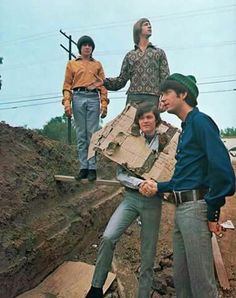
[{"x": 148, "y": 188}]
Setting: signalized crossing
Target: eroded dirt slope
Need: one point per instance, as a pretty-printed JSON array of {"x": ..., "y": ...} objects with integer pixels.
[{"x": 41, "y": 221}]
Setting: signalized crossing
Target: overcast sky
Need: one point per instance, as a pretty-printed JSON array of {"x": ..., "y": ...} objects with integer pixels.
[{"x": 198, "y": 36}]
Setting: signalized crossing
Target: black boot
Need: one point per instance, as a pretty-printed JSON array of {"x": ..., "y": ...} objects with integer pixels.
[
  {"x": 83, "y": 174},
  {"x": 94, "y": 293},
  {"x": 92, "y": 175}
]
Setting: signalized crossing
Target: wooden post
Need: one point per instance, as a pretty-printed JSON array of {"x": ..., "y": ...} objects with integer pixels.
[{"x": 219, "y": 264}]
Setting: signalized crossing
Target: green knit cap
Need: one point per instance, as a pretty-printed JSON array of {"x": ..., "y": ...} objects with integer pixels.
[{"x": 189, "y": 82}]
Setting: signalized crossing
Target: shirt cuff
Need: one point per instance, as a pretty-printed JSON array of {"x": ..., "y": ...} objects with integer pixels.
[
  {"x": 163, "y": 187},
  {"x": 213, "y": 213},
  {"x": 106, "y": 82}
]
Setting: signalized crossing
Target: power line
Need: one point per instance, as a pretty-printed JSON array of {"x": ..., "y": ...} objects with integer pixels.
[
  {"x": 35, "y": 95},
  {"x": 219, "y": 91},
  {"x": 57, "y": 95},
  {"x": 31, "y": 105},
  {"x": 118, "y": 97},
  {"x": 27, "y": 100},
  {"x": 163, "y": 17},
  {"x": 219, "y": 76},
  {"x": 216, "y": 82},
  {"x": 121, "y": 52},
  {"x": 191, "y": 13}
]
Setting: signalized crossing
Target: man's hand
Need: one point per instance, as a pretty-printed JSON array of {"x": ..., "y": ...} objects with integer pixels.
[
  {"x": 98, "y": 82},
  {"x": 216, "y": 228},
  {"x": 148, "y": 188},
  {"x": 103, "y": 112},
  {"x": 68, "y": 109},
  {"x": 161, "y": 107}
]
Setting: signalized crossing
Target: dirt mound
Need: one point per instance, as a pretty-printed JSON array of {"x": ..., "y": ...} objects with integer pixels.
[
  {"x": 28, "y": 163},
  {"x": 41, "y": 221}
]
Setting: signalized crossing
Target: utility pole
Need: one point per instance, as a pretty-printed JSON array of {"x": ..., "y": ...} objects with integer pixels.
[
  {"x": 1, "y": 59},
  {"x": 69, "y": 50}
]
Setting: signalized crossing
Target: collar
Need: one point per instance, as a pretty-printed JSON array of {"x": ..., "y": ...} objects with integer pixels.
[
  {"x": 150, "y": 45},
  {"x": 80, "y": 58},
  {"x": 147, "y": 136},
  {"x": 190, "y": 117}
]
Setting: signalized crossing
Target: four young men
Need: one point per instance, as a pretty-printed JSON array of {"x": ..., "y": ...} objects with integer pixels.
[{"x": 203, "y": 174}]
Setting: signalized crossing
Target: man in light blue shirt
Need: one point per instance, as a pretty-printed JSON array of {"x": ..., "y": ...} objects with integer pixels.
[{"x": 133, "y": 206}]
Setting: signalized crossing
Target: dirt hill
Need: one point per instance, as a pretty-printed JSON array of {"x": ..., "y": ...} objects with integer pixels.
[{"x": 43, "y": 223}]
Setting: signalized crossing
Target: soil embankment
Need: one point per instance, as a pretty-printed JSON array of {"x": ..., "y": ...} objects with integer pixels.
[{"x": 43, "y": 223}]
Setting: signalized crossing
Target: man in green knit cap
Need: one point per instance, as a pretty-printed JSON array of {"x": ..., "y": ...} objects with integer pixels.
[{"x": 203, "y": 177}]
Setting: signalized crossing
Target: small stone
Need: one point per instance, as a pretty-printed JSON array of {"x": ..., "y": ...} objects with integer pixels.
[
  {"x": 155, "y": 295},
  {"x": 157, "y": 268},
  {"x": 165, "y": 263},
  {"x": 159, "y": 286}
]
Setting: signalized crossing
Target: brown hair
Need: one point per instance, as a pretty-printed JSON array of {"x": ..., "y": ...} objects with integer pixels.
[
  {"x": 179, "y": 88},
  {"x": 146, "y": 108},
  {"x": 137, "y": 29}
]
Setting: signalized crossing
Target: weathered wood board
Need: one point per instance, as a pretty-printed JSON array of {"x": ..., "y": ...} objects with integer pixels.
[{"x": 70, "y": 280}]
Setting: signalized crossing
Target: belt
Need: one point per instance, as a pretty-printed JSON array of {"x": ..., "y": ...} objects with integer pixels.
[
  {"x": 85, "y": 89},
  {"x": 180, "y": 197}
]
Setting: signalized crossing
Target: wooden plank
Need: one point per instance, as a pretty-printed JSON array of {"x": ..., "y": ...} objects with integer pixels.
[
  {"x": 219, "y": 264},
  {"x": 70, "y": 280},
  {"x": 64, "y": 178},
  {"x": 85, "y": 181}
]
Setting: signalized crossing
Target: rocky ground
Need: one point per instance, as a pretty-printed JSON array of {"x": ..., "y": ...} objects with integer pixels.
[{"x": 43, "y": 223}]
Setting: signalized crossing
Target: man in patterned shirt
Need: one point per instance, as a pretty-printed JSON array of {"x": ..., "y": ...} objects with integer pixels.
[{"x": 145, "y": 67}]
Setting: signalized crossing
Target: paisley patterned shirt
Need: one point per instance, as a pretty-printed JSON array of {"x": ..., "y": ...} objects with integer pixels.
[{"x": 145, "y": 70}]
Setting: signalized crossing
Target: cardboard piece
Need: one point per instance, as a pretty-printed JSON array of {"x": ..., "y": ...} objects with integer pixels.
[
  {"x": 118, "y": 142},
  {"x": 70, "y": 280},
  {"x": 228, "y": 225}
]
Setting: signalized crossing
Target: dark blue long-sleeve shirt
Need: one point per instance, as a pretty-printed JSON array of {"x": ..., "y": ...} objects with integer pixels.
[{"x": 202, "y": 162}]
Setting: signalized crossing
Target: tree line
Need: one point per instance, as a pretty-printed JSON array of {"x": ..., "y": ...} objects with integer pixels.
[{"x": 56, "y": 129}]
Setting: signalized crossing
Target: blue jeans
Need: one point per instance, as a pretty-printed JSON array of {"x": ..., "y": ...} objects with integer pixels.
[
  {"x": 193, "y": 259},
  {"x": 133, "y": 205},
  {"x": 86, "y": 111}
]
